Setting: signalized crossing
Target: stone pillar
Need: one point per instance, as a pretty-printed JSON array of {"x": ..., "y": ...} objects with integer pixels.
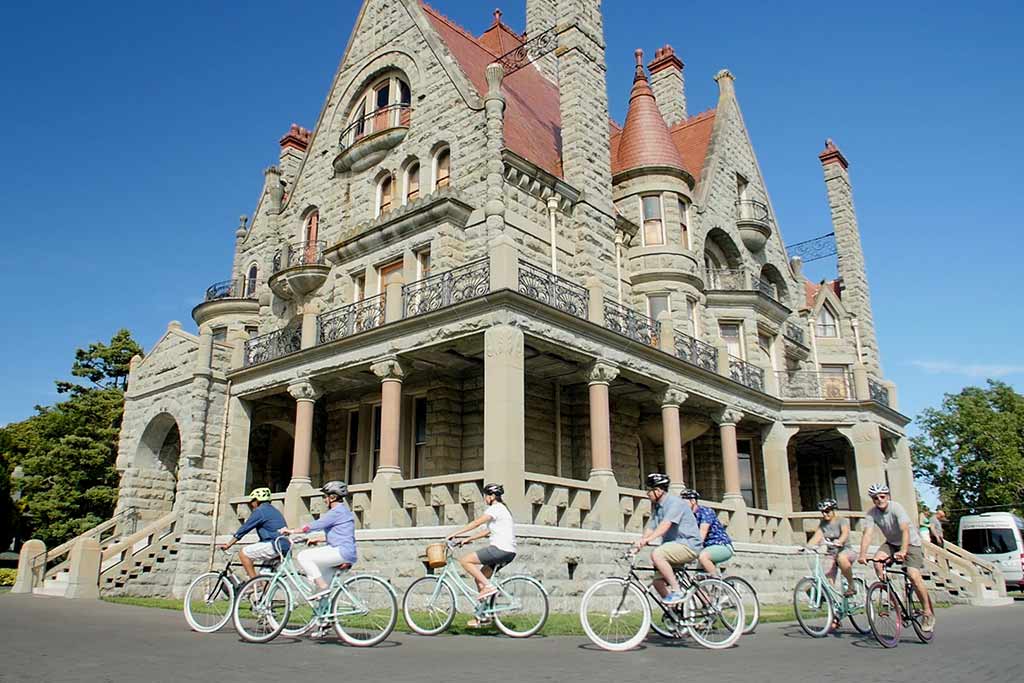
[
  {"x": 309, "y": 332},
  {"x": 541, "y": 16},
  {"x": 738, "y": 527},
  {"x": 30, "y": 574},
  {"x": 394, "y": 306},
  {"x": 595, "y": 312},
  {"x": 383, "y": 503},
  {"x": 194, "y": 444},
  {"x": 666, "y": 333},
  {"x": 606, "y": 513},
  {"x": 494, "y": 108},
  {"x": 236, "y": 463},
  {"x": 870, "y": 461},
  {"x": 901, "y": 474},
  {"x": 672, "y": 438},
  {"x": 777, "y": 479},
  {"x": 503, "y": 260},
  {"x": 84, "y": 574},
  {"x": 305, "y": 395},
  {"x": 861, "y": 387},
  {"x": 505, "y": 416},
  {"x": 723, "y": 358},
  {"x": 237, "y": 339}
]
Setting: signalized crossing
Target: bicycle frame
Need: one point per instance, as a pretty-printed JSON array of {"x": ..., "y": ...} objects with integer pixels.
[
  {"x": 451, "y": 576},
  {"x": 840, "y": 603},
  {"x": 908, "y": 586},
  {"x": 687, "y": 584}
]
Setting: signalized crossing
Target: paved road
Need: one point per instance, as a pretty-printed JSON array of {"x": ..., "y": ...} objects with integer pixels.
[{"x": 50, "y": 639}]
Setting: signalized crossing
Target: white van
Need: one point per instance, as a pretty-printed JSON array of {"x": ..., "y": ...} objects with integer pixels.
[{"x": 996, "y": 537}]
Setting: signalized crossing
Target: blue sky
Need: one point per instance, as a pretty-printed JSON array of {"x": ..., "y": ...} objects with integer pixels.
[{"x": 137, "y": 138}]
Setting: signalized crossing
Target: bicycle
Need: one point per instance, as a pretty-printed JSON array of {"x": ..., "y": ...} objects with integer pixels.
[
  {"x": 819, "y": 606},
  {"x": 746, "y": 591},
  {"x": 616, "y": 612},
  {"x": 887, "y": 612},
  {"x": 519, "y": 609},
  {"x": 362, "y": 608},
  {"x": 211, "y": 595}
]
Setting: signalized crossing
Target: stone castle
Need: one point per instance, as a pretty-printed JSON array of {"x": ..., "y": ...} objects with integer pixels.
[{"x": 467, "y": 272}]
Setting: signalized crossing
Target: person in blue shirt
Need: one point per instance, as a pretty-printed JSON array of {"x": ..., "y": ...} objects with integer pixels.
[
  {"x": 265, "y": 520},
  {"x": 673, "y": 522},
  {"x": 339, "y": 525},
  {"x": 717, "y": 544}
]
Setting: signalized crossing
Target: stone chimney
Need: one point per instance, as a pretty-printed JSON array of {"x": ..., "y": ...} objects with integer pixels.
[
  {"x": 850, "y": 255},
  {"x": 668, "y": 84},
  {"x": 293, "y": 150},
  {"x": 542, "y": 15}
]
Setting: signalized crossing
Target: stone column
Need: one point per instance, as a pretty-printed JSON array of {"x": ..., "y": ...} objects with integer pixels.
[
  {"x": 394, "y": 306},
  {"x": 861, "y": 387},
  {"x": 870, "y": 461},
  {"x": 494, "y": 107},
  {"x": 30, "y": 566},
  {"x": 305, "y": 395},
  {"x": 666, "y": 333},
  {"x": 901, "y": 475},
  {"x": 672, "y": 438},
  {"x": 503, "y": 261},
  {"x": 84, "y": 572},
  {"x": 605, "y": 513},
  {"x": 777, "y": 481},
  {"x": 595, "y": 311},
  {"x": 738, "y": 528},
  {"x": 235, "y": 464},
  {"x": 504, "y": 416},
  {"x": 383, "y": 502}
]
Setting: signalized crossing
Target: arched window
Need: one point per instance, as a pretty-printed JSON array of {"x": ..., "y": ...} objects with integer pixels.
[
  {"x": 385, "y": 193},
  {"x": 828, "y": 325},
  {"x": 310, "y": 232},
  {"x": 442, "y": 168},
  {"x": 384, "y": 104},
  {"x": 249, "y": 291},
  {"x": 412, "y": 182},
  {"x": 713, "y": 267}
]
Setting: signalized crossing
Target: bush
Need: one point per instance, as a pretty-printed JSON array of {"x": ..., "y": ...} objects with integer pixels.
[{"x": 7, "y": 576}]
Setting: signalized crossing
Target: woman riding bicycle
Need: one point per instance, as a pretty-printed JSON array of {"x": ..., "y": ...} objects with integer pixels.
[
  {"x": 834, "y": 532},
  {"x": 717, "y": 544},
  {"x": 502, "y": 549},
  {"x": 339, "y": 525}
]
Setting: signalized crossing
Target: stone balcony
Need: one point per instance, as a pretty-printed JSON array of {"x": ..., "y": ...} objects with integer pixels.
[
  {"x": 227, "y": 299},
  {"x": 299, "y": 268},
  {"x": 739, "y": 288},
  {"x": 754, "y": 223},
  {"x": 367, "y": 140}
]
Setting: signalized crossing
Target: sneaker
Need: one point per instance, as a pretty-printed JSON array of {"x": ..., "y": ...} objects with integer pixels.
[
  {"x": 673, "y": 598},
  {"x": 928, "y": 623}
]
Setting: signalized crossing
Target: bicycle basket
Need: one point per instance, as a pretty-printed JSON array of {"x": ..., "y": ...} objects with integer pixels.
[{"x": 437, "y": 555}]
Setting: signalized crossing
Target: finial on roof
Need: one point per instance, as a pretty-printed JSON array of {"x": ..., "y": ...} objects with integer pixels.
[
  {"x": 497, "y": 15},
  {"x": 832, "y": 155},
  {"x": 725, "y": 81},
  {"x": 639, "y": 73}
]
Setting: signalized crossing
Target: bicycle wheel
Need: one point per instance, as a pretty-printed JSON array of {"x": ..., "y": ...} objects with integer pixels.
[
  {"x": 916, "y": 610},
  {"x": 751, "y": 606},
  {"x": 303, "y": 615},
  {"x": 855, "y": 607},
  {"x": 208, "y": 602},
  {"x": 365, "y": 610},
  {"x": 713, "y": 612},
  {"x": 884, "y": 615},
  {"x": 262, "y": 609},
  {"x": 615, "y": 615},
  {"x": 429, "y": 606},
  {"x": 813, "y": 607},
  {"x": 520, "y": 607}
]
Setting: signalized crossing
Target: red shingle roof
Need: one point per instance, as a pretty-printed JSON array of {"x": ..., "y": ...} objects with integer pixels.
[{"x": 499, "y": 38}]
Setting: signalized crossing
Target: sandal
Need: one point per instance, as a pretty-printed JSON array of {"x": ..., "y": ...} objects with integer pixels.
[
  {"x": 487, "y": 592},
  {"x": 482, "y": 622}
]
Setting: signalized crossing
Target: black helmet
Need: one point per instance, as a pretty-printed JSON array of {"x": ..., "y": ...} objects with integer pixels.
[
  {"x": 335, "y": 488},
  {"x": 689, "y": 494},
  {"x": 828, "y": 504},
  {"x": 657, "y": 480},
  {"x": 494, "y": 490}
]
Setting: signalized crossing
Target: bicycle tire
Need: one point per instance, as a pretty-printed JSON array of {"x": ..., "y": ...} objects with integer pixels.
[
  {"x": 534, "y": 598},
  {"x": 375, "y": 598},
  {"x": 268, "y": 603},
  {"x": 809, "y": 598},
  {"x": 203, "y": 590},
  {"x": 415, "y": 612},
  {"x": 751, "y": 605},
  {"x": 856, "y": 605},
  {"x": 627, "y": 606},
  {"x": 916, "y": 611},
  {"x": 726, "y": 609},
  {"x": 884, "y": 615}
]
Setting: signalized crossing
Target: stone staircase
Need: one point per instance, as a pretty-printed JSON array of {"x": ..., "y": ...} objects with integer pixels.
[{"x": 955, "y": 575}]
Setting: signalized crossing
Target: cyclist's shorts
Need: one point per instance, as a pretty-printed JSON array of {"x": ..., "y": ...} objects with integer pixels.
[
  {"x": 492, "y": 556},
  {"x": 719, "y": 553},
  {"x": 260, "y": 552},
  {"x": 915, "y": 556},
  {"x": 675, "y": 553}
]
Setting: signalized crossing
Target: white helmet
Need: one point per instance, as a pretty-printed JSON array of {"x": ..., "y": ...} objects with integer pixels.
[{"x": 875, "y": 489}]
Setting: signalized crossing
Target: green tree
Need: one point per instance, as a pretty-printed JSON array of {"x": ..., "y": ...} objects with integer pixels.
[
  {"x": 8, "y": 513},
  {"x": 67, "y": 451},
  {"x": 972, "y": 449}
]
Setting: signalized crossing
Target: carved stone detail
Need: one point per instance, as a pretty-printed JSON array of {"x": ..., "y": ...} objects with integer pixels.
[
  {"x": 602, "y": 372},
  {"x": 729, "y": 416},
  {"x": 388, "y": 369},
  {"x": 674, "y": 396},
  {"x": 304, "y": 391}
]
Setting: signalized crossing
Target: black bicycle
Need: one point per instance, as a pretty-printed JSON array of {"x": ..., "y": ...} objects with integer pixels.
[
  {"x": 211, "y": 595},
  {"x": 887, "y": 611}
]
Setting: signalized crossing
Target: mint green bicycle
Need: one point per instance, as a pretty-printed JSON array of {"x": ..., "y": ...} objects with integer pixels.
[
  {"x": 362, "y": 608},
  {"x": 820, "y": 607},
  {"x": 519, "y": 609}
]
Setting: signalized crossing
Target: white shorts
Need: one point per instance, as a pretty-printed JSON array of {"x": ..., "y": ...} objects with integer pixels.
[{"x": 263, "y": 551}]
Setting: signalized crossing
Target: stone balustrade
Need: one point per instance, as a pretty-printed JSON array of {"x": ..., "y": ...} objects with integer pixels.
[
  {"x": 451, "y": 499},
  {"x": 559, "y": 502}
]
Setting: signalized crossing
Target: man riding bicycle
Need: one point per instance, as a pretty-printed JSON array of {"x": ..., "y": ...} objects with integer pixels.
[
  {"x": 339, "y": 525},
  {"x": 901, "y": 542},
  {"x": 265, "y": 520},
  {"x": 717, "y": 544},
  {"x": 673, "y": 522}
]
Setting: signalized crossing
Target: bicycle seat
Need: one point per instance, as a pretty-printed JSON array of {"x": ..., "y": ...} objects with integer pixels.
[{"x": 498, "y": 567}]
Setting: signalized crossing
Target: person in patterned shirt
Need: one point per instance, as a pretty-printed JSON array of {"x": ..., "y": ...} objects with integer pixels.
[{"x": 717, "y": 544}]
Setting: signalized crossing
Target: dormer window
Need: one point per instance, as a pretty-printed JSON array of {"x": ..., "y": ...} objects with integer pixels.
[
  {"x": 412, "y": 182},
  {"x": 385, "y": 192},
  {"x": 827, "y": 324},
  {"x": 384, "y": 104},
  {"x": 442, "y": 168}
]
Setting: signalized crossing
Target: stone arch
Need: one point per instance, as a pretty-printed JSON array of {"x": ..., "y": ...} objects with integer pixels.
[
  {"x": 723, "y": 250},
  {"x": 771, "y": 275},
  {"x": 156, "y": 462},
  {"x": 391, "y": 60},
  {"x": 822, "y": 465}
]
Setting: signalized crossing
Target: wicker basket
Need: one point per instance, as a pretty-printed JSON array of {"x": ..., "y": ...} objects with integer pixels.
[{"x": 437, "y": 555}]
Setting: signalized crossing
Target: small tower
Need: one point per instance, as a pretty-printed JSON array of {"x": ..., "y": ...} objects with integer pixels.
[{"x": 856, "y": 294}]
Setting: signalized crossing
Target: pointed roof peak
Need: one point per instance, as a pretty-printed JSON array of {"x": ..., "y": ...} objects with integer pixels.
[{"x": 645, "y": 139}]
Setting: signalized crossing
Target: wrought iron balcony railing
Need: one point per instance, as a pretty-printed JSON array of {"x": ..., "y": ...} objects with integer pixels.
[
  {"x": 444, "y": 289},
  {"x": 752, "y": 210},
  {"x": 795, "y": 333},
  {"x": 629, "y": 323},
  {"x": 823, "y": 386},
  {"x": 385, "y": 118},
  {"x": 745, "y": 373},
  {"x": 553, "y": 290},
  {"x": 276, "y": 344},
  {"x": 350, "y": 319},
  {"x": 696, "y": 352},
  {"x": 231, "y": 289},
  {"x": 878, "y": 391},
  {"x": 304, "y": 253}
]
